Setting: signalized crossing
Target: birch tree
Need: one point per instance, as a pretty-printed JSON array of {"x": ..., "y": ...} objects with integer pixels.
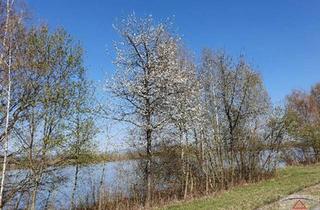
[
  {"x": 52, "y": 75},
  {"x": 14, "y": 71},
  {"x": 213, "y": 148},
  {"x": 83, "y": 129},
  {"x": 6, "y": 61},
  {"x": 237, "y": 110}
]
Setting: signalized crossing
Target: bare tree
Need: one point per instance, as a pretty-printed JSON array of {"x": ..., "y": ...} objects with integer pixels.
[
  {"x": 236, "y": 114},
  {"x": 303, "y": 113}
]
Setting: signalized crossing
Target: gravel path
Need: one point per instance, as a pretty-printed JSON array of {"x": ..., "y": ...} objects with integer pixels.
[{"x": 309, "y": 196}]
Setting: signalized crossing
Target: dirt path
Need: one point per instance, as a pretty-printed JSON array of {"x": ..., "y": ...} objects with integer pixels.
[{"x": 310, "y": 197}]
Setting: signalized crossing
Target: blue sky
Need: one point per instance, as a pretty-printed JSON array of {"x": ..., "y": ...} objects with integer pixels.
[{"x": 281, "y": 38}]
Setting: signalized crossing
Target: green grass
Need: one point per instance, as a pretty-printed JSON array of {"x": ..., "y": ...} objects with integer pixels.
[{"x": 252, "y": 196}]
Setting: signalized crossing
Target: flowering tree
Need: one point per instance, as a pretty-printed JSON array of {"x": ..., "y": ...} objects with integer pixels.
[{"x": 146, "y": 82}]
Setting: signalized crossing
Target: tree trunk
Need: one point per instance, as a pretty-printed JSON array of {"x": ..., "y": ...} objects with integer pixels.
[
  {"x": 186, "y": 183},
  {"x": 100, "y": 189},
  {"x": 185, "y": 162},
  {"x": 74, "y": 186},
  {"x": 34, "y": 196},
  {"x": 6, "y": 139},
  {"x": 148, "y": 170}
]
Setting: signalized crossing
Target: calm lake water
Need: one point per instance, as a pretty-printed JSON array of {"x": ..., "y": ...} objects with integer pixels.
[{"x": 115, "y": 176}]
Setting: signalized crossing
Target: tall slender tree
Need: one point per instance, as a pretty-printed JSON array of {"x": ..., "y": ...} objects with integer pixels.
[
  {"x": 82, "y": 129},
  {"x": 6, "y": 61}
]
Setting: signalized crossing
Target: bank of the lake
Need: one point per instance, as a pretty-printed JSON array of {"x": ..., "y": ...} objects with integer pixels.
[
  {"x": 287, "y": 181},
  {"x": 15, "y": 163}
]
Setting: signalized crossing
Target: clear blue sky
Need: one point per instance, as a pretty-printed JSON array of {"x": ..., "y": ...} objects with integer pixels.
[{"x": 280, "y": 37}]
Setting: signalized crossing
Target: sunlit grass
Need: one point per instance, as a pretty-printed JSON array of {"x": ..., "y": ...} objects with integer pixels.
[{"x": 252, "y": 196}]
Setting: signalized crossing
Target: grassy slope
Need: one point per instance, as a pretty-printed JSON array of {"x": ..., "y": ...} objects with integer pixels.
[{"x": 252, "y": 196}]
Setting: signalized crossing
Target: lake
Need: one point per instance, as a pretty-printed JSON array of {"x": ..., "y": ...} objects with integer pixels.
[{"x": 115, "y": 177}]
